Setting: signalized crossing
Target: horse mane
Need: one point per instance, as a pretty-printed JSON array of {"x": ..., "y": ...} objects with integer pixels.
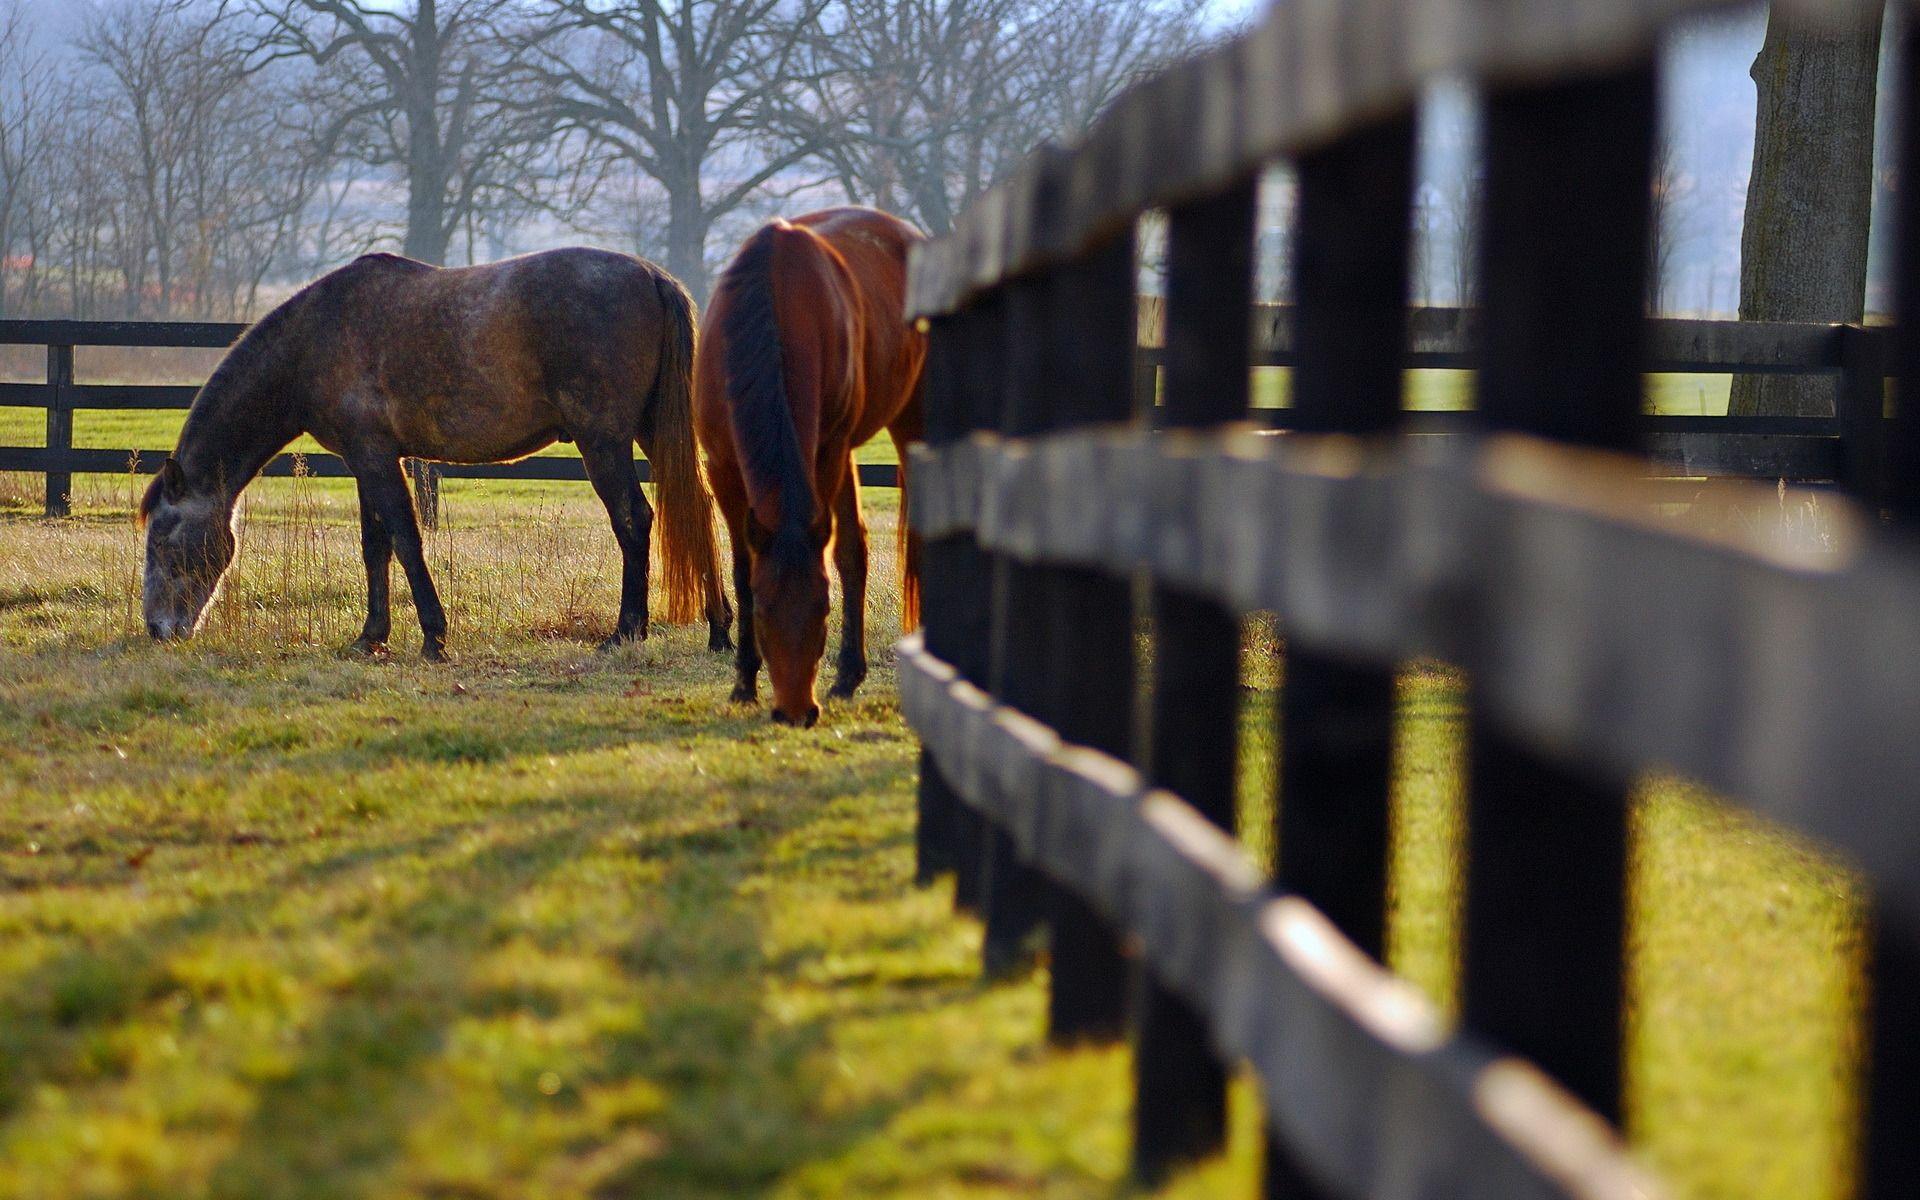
[
  {"x": 760, "y": 411},
  {"x": 260, "y": 350}
]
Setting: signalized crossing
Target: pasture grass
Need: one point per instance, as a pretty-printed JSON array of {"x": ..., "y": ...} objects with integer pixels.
[{"x": 278, "y": 922}]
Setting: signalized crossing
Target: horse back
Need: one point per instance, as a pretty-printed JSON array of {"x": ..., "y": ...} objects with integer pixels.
[
  {"x": 483, "y": 363},
  {"x": 874, "y": 246}
]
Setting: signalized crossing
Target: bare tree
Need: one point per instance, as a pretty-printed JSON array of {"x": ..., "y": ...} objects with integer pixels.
[
  {"x": 431, "y": 89},
  {"x": 206, "y": 194},
  {"x": 921, "y": 105},
  {"x": 28, "y": 102},
  {"x": 688, "y": 93},
  {"x": 1676, "y": 195}
]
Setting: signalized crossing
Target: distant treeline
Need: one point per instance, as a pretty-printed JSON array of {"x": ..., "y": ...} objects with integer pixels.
[{"x": 190, "y": 158}]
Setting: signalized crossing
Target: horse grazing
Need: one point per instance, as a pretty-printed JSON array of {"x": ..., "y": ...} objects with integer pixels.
[
  {"x": 387, "y": 358},
  {"x": 804, "y": 355}
]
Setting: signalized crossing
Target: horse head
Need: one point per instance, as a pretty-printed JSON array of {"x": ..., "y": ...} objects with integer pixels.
[
  {"x": 790, "y": 608},
  {"x": 190, "y": 545}
]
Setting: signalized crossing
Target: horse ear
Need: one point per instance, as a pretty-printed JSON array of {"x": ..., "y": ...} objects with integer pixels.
[{"x": 167, "y": 485}]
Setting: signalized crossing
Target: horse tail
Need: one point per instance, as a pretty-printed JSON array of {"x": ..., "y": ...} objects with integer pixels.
[
  {"x": 688, "y": 558},
  {"x": 909, "y": 569},
  {"x": 758, "y": 406}
]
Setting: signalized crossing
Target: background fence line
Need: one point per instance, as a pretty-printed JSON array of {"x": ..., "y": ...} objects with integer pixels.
[{"x": 1844, "y": 448}]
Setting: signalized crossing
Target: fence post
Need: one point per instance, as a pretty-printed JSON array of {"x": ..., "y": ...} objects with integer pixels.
[
  {"x": 1861, "y": 405},
  {"x": 1015, "y": 364},
  {"x": 935, "y": 850},
  {"x": 1890, "y": 1097},
  {"x": 1091, "y": 681},
  {"x": 1569, "y": 186},
  {"x": 426, "y": 491},
  {"x": 1180, "y": 1085},
  {"x": 1336, "y": 717},
  {"x": 59, "y": 429}
]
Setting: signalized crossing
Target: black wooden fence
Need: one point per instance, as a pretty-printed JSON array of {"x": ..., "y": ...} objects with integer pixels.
[
  {"x": 61, "y": 397},
  {"x": 1601, "y": 637},
  {"x": 1796, "y": 449}
]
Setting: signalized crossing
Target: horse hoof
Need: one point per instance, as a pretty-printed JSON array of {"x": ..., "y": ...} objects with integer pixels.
[
  {"x": 843, "y": 689},
  {"x": 368, "y": 648},
  {"x": 433, "y": 653},
  {"x": 744, "y": 693},
  {"x": 719, "y": 642},
  {"x": 620, "y": 639}
]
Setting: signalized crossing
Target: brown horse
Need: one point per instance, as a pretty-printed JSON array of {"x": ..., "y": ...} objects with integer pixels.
[
  {"x": 804, "y": 355},
  {"x": 387, "y": 358}
]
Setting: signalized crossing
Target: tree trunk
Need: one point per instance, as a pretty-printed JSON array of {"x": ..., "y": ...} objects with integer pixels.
[
  {"x": 428, "y": 230},
  {"x": 1803, "y": 251},
  {"x": 687, "y": 240}
]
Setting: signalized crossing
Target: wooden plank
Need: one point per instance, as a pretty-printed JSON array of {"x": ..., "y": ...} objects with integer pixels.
[
  {"x": 1357, "y": 1070},
  {"x": 1014, "y": 374},
  {"x": 1089, "y": 683},
  {"x": 35, "y": 460},
  {"x": 1180, "y": 1085},
  {"x": 1445, "y": 338},
  {"x": 1563, "y": 269},
  {"x": 1861, "y": 405},
  {"x": 191, "y": 334},
  {"x": 1803, "y": 705},
  {"x": 1335, "y": 717},
  {"x": 943, "y": 579},
  {"x": 1889, "y": 1096},
  {"x": 134, "y": 396},
  {"x": 59, "y": 437}
]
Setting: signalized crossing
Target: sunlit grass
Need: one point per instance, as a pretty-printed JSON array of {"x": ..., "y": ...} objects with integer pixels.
[{"x": 275, "y": 921}]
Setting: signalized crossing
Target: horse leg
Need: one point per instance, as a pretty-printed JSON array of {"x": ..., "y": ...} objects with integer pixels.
[
  {"x": 376, "y": 548},
  {"x": 850, "y": 559},
  {"x": 385, "y": 487},
  {"x": 610, "y": 469},
  {"x": 746, "y": 660}
]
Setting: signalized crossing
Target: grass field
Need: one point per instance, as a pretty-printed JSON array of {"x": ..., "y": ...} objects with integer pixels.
[{"x": 276, "y": 922}]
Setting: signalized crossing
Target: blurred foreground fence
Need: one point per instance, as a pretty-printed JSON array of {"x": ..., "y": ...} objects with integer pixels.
[{"x": 1079, "y": 784}]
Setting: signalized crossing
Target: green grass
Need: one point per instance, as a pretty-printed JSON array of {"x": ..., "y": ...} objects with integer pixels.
[
  {"x": 1450, "y": 391},
  {"x": 275, "y": 922}
]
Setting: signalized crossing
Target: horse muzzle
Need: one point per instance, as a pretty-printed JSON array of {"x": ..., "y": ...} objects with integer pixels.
[{"x": 811, "y": 719}]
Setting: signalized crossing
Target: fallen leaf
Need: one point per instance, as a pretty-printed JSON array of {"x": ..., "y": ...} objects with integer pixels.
[
  {"x": 637, "y": 688},
  {"x": 139, "y": 857},
  {"x": 245, "y": 837}
]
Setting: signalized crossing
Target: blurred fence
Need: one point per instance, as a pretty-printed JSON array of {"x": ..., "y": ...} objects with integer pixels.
[{"x": 1079, "y": 783}]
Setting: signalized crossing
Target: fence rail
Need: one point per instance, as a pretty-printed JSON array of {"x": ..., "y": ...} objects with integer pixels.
[
  {"x": 59, "y": 460},
  {"x": 1070, "y": 500},
  {"x": 1797, "y": 449}
]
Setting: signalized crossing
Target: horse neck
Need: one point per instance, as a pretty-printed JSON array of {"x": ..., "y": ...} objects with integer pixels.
[{"x": 240, "y": 420}]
